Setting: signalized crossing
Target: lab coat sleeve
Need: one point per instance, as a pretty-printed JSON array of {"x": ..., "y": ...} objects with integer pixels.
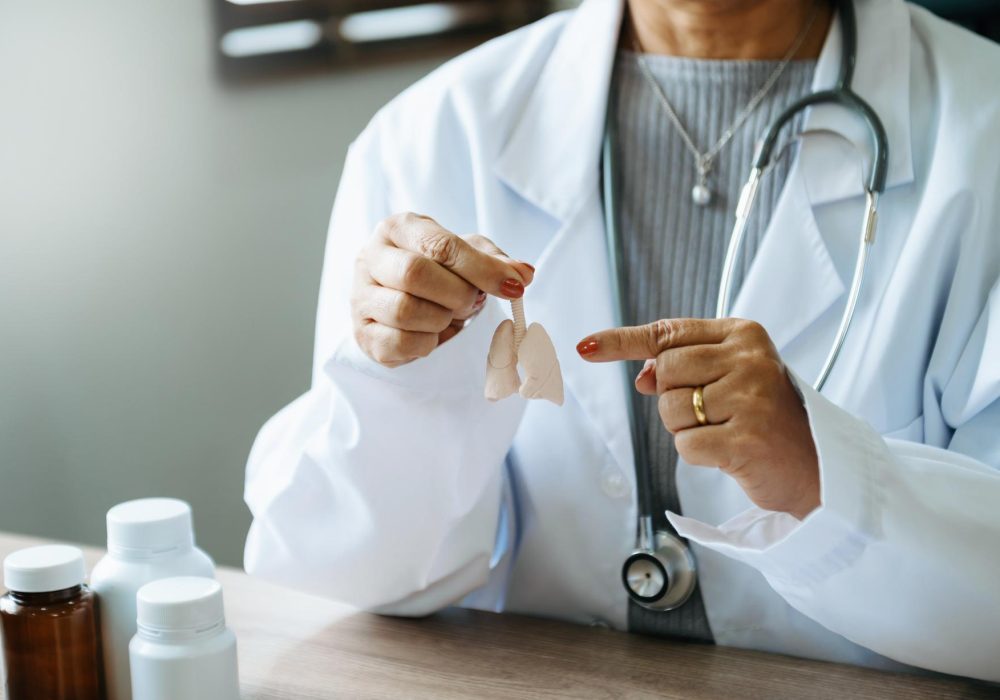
[
  {"x": 380, "y": 487},
  {"x": 903, "y": 555}
]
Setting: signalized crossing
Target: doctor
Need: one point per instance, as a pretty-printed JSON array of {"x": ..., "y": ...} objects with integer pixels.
[{"x": 860, "y": 524}]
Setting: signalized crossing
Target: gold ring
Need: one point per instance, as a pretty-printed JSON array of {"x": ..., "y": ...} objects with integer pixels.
[{"x": 698, "y": 403}]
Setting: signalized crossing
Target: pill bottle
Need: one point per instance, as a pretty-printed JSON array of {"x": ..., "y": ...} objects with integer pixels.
[
  {"x": 182, "y": 647},
  {"x": 148, "y": 539},
  {"x": 51, "y": 639}
]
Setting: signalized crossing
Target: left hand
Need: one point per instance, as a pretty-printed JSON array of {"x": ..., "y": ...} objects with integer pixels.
[{"x": 758, "y": 430}]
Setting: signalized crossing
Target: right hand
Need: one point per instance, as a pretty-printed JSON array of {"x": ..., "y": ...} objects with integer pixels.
[{"x": 416, "y": 284}]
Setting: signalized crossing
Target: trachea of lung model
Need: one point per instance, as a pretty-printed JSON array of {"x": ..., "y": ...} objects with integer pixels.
[{"x": 533, "y": 349}]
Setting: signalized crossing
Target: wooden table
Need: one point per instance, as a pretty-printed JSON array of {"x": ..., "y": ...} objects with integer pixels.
[{"x": 297, "y": 647}]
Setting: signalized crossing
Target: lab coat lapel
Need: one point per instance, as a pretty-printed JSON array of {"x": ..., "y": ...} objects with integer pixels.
[
  {"x": 571, "y": 297},
  {"x": 552, "y": 160},
  {"x": 793, "y": 279},
  {"x": 552, "y": 156}
]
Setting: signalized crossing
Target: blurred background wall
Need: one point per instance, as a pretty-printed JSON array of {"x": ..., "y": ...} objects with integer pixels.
[{"x": 161, "y": 239}]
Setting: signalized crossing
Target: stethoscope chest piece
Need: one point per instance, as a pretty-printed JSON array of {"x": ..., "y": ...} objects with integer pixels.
[
  {"x": 660, "y": 573},
  {"x": 660, "y": 576}
]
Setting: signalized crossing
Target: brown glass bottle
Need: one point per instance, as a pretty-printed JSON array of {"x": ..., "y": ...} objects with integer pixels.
[{"x": 51, "y": 643}]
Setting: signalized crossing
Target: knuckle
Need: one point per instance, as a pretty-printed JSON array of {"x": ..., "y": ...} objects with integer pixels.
[
  {"x": 478, "y": 241},
  {"x": 665, "y": 406},
  {"x": 460, "y": 300},
  {"x": 357, "y": 303},
  {"x": 752, "y": 330},
  {"x": 664, "y": 370},
  {"x": 441, "y": 319},
  {"x": 425, "y": 348},
  {"x": 744, "y": 354},
  {"x": 685, "y": 442},
  {"x": 483, "y": 244},
  {"x": 413, "y": 272},
  {"x": 404, "y": 307},
  {"x": 663, "y": 332},
  {"x": 763, "y": 375},
  {"x": 442, "y": 248},
  {"x": 405, "y": 219},
  {"x": 469, "y": 298},
  {"x": 416, "y": 345},
  {"x": 744, "y": 401},
  {"x": 384, "y": 227},
  {"x": 392, "y": 223},
  {"x": 374, "y": 350},
  {"x": 770, "y": 371},
  {"x": 363, "y": 261},
  {"x": 670, "y": 369},
  {"x": 378, "y": 352}
]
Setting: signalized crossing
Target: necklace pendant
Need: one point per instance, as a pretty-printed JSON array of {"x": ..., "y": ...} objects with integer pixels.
[{"x": 701, "y": 195}]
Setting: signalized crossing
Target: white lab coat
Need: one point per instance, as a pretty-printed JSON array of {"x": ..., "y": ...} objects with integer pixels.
[{"x": 404, "y": 490}]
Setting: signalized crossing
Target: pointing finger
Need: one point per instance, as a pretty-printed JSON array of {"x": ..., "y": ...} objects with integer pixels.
[{"x": 648, "y": 341}]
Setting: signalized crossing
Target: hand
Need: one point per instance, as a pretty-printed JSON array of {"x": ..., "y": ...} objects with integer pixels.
[
  {"x": 416, "y": 284},
  {"x": 758, "y": 430}
]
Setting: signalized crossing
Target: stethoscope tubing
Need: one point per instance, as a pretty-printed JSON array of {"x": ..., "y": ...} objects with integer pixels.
[{"x": 841, "y": 95}]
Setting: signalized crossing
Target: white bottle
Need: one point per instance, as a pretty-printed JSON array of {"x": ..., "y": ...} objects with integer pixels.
[
  {"x": 148, "y": 539},
  {"x": 182, "y": 648}
]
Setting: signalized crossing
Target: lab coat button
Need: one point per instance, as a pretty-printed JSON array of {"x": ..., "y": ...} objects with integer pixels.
[{"x": 613, "y": 483}]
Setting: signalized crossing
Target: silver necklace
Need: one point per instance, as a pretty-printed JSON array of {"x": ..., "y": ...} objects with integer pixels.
[{"x": 701, "y": 193}]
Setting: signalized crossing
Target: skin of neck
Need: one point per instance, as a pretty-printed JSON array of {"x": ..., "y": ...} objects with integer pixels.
[{"x": 726, "y": 29}]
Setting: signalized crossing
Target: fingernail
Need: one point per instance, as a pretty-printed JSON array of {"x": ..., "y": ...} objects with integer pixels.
[
  {"x": 529, "y": 266},
  {"x": 586, "y": 347},
  {"x": 512, "y": 288}
]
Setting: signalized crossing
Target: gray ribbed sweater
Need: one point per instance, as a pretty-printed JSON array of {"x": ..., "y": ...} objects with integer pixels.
[{"x": 673, "y": 248}]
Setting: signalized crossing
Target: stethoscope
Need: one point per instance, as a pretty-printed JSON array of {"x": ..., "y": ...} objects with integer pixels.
[{"x": 661, "y": 573}]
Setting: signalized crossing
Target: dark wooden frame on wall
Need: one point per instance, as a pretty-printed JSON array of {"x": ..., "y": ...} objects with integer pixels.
[{"x": 494, "y": 17}]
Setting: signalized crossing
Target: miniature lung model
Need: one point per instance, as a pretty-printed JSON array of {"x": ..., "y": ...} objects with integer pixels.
[{"x": 533, "y": 350}]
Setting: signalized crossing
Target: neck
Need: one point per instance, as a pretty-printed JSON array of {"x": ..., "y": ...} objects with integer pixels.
[{"x": 726, "y": 29}]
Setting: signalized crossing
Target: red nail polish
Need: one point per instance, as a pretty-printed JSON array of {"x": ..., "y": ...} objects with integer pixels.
[
  {"x": 587, "y": 347},
  {"x": 512, "y": 289}
]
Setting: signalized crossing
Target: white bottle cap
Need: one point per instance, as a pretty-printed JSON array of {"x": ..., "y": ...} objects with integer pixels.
[
  {"x": 50, "y": 567},
  {"x": 149, "y": 526},
  {"x": 181, "y": 604}
]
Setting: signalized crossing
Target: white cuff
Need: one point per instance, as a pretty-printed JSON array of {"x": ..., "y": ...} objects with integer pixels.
[
  {"x": 456, "y": 367},
  {"x": 832, "y": 537}
]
